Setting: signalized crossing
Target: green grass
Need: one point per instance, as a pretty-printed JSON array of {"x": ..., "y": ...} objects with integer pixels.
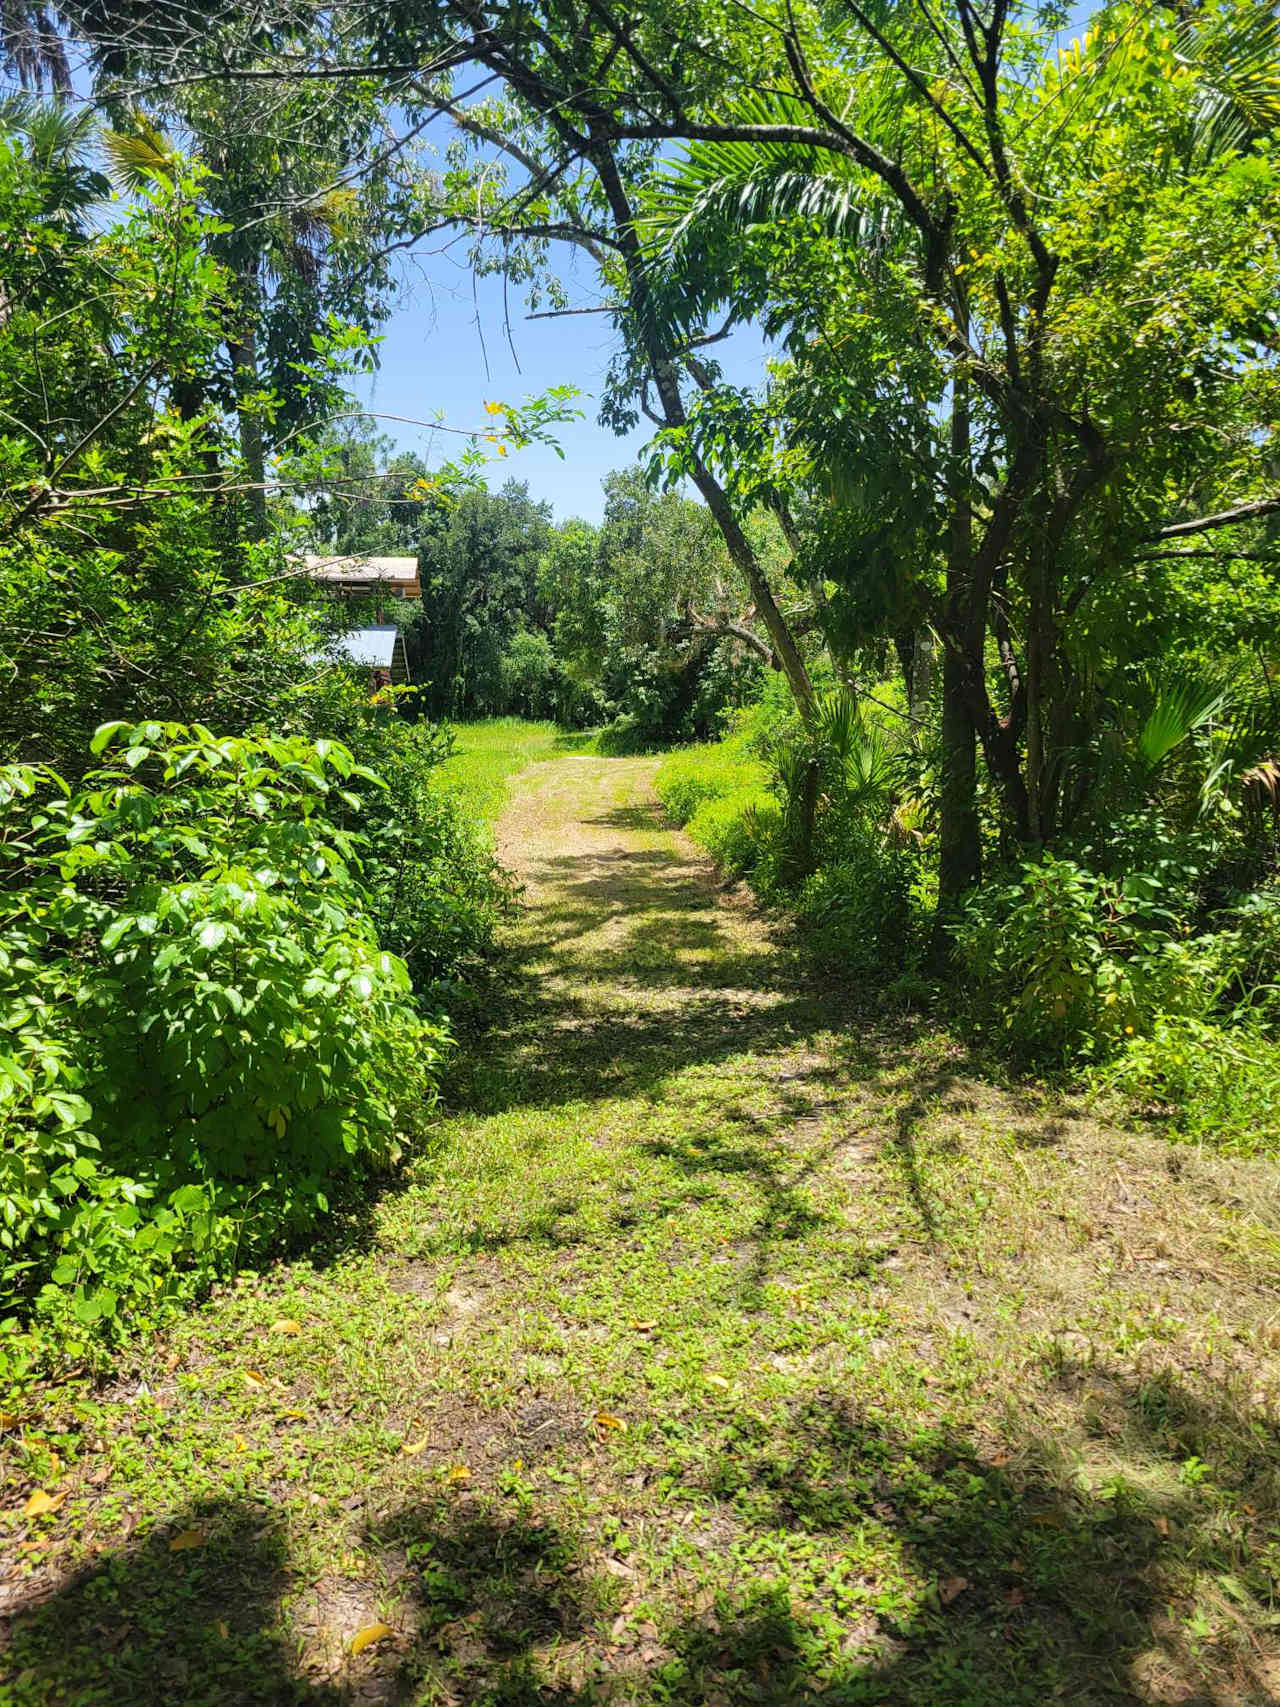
[
  {"x": 731, "y": 1346},
  {"x": 491, "y": 752}
]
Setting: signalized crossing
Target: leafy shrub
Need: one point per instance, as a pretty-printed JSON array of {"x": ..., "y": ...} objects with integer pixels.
[
  {"x": 436, "y": 892},
  {"x": 199, "y": 1032},
  {"x": 627, "y": 735},
  {"x": 1254, "y": 962},
  {"x": 1063, "y": 962},
  {"x": 858, "y": 911},
  {"x": 1214, "y": 1082}
]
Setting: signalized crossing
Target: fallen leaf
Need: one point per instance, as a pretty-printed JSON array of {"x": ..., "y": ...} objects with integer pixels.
[
  {"x": 644, "y": 1327},
  {"x": 286, "y": 1325},
  {"x": 607, "y": 1422},
  {"x": 186, "y": 1539},
  {"x": 9, "y": 1419},
  {"x": 41, "y": 1502},
  {"x": 412, "y": 1448},
  {"x": 949, "y": 1588},
  {"x": 223, "y": 1628},
  {"x": 716, "y": 1381},
  {"x": 253, "y": 1379},
  {"x": 458, "y": 1473},
  {"x": 292, "y": 1416},
  {"x": 368, "y": 1636},
  {"x": 616, "y": 1568},
  {"x": 100, "y": 1475},
  {"x": 172, "y": 1361},
  {"x": 239, "y": 1443}
]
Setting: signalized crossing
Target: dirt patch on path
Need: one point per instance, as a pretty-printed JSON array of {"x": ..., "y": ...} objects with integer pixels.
[{"x": 619, "y": 902}]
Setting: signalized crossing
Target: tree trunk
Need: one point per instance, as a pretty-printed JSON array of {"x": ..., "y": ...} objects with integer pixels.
[
  {"x": 960, "y": 840},
  {"x": 243, "y": 349},
  {"x": 666, "y": 379},
  {"x": 745, "y": 561}
]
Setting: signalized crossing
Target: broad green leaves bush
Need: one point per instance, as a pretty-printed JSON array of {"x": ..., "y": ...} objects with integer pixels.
[
  {"x": 1064, "y": 963},
  {"x": 435, "y": 890},
  {"x": 859, "y": 909},
  {"x": 199, "y": 1032}
]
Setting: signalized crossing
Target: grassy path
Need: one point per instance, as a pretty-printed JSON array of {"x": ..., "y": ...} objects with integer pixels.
[{"x": 733, "y": 1346}]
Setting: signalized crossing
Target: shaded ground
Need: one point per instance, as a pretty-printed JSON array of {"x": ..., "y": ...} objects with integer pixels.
[{"x": 735, "y": 1345}]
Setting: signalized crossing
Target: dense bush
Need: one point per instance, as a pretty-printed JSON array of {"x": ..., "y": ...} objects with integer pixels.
[
  {"x": 199, "y": 1031},
  {"x": 859, "y": 910},
  {"x": 1212, "y": 1081},
  {"x": 813, "y": 820},
  {"x": 737, "y": 829},
  {"x": 722, "y": 797},
  {"x": 1064, "y": 963},
  {"x": 435, "y": 891}
]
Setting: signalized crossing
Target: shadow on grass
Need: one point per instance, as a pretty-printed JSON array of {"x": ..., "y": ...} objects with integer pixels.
[
  {"x": 151, "y": 1624},
  {"x": 968, "y": 1573}
]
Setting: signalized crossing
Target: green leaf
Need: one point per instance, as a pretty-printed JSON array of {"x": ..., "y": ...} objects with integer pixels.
[{"x": 105, "y": 734}]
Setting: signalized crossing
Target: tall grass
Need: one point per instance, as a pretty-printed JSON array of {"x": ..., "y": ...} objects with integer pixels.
[{"x": 487, "y": 754}]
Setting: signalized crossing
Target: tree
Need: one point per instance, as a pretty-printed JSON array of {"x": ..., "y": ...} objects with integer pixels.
[
  {"x": 373, "y": 496},
  {"x": 119, "y": 575},
  {"x": 478, "y": 564},
  {"x": 975, "y": 309},
  {"x": 32, "y": 48},
  {"x": 302, "y": 248}
]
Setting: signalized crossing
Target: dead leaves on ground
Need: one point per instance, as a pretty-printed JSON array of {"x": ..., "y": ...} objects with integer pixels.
[
  {"x": 41, "y": 1504},
  {"x": 369, "y": 1635}
]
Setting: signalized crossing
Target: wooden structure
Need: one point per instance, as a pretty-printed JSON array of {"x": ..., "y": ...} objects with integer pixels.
[
  {"x": 379, "y": 648},
  {"x": 383, "y": 577}
]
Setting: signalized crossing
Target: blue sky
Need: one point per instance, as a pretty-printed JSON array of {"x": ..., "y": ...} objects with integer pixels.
[{"x": 433, "y": 361}]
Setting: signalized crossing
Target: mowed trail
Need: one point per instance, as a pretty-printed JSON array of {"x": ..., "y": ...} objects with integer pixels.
[{"x": 731, "y": 1341}]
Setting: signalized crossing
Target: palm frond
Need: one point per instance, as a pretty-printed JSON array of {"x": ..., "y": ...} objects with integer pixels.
[
  {"x": 867, "y": 758},
  {"x": 1181, "y": 705},
  {"x": 31, "y": 47},
  {"x": 1235, "y": 57},
  {"x": 719, "y": 190},
  {"x": 140, "y": 154},
  {"x": 53, "y": 131}
]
